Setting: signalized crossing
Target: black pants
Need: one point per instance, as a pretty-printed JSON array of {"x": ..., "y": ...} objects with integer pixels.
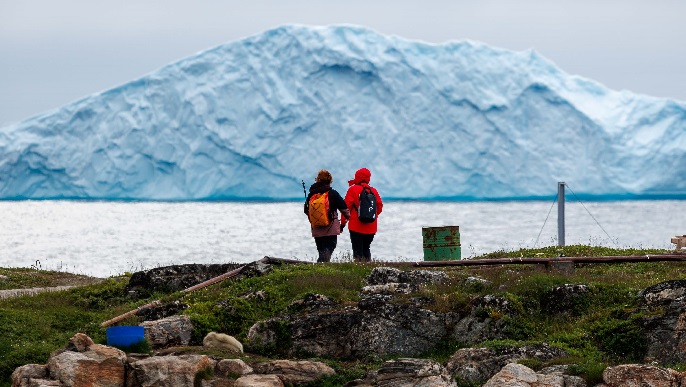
[
  {"x": 325, "y": 246},
  {"x": 361, "y": 243}
]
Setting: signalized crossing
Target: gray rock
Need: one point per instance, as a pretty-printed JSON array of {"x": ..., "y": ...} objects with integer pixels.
[
  {"x": 563, "y": 370},
  {"x": 160, "y": 371},
  {"x": 665, "y": 332},
  {"x": 175, "y": 278},
  {"x": 477, "y": 282},
  {"x": 641, "y": 375},
  {"x": 322, "y": 334},
  {"x": 259, "y": 381},
  {"x": 23, "y": 376},
  {"x": 476, "y": 365},
  {"x": 664, "y": 293},
  {"x": 388, "y": 328},
  {"x": 255, "y": 269},
  {"x": 163, "y": 311},
  {"x": 567, "y": 299},
  {"x": 99, "y": 365},
  {"x": 80, "y": 342},
  {"x": 232, "y": 367},
  {"x": 311, "y": 302},
  {"x": 377, "y": 326},
  {"x": 383, "y": 275},
  {"x": 170, "y": 331},
  {"x": 516, "y": 375},
  {"x": 390, "y": 288},
  {"x": 407, "y": 372},
  {"x": 295, "y": 372},
  {"x": 387, "y": 275},
  {"x": 491, "y": 303},
  {"x": 485, "y": 321}
]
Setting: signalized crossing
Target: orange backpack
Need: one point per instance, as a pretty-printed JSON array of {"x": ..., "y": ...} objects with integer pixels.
[{"x": 319, "y": 210}]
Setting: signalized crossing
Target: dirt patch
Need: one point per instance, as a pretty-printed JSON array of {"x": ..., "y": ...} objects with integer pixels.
[{"x": 21, "y": 281}]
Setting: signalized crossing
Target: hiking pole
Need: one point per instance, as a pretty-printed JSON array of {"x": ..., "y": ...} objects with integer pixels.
[{"x": 304, "y": 190}]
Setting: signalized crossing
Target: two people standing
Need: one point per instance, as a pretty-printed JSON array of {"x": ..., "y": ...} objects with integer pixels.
[{"x": 360, "y": 208}]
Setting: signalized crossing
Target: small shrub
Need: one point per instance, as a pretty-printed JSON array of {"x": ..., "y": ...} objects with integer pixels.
[
  {"x": 591, "y": 372},
  {"x": 442, "y": 351},
  {"x": 621, "y": 338},
  {"x": 518, "y": 328},
  {"x": 534, "y": 364},
  {"x": 206, "y": 373}
]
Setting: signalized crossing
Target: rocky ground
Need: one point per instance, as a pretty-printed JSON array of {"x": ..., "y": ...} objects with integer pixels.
[{"x": 387, "y": 321}]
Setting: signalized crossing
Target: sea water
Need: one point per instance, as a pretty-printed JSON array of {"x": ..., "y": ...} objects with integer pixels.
[{"x": 110, "y": 238}]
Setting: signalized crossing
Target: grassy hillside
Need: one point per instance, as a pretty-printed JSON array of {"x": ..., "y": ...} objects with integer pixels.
[{"x": 604, "y": 328}]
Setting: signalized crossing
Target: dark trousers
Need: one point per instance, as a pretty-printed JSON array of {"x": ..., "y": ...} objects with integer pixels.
[
  {"x": 325, "y": 246},
  {"x": 361, "y": 244}
]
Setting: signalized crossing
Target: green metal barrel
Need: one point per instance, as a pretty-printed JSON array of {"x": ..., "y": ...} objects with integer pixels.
[{"x": 441, "y": 243}]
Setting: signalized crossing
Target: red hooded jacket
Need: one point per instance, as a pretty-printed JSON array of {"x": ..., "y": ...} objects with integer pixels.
[{"x": 352, "y": 200}]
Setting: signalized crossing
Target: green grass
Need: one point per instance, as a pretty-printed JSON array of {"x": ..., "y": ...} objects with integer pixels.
[{"x": 601, "y": 329}]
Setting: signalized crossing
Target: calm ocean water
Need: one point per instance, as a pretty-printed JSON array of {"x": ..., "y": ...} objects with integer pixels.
[{"x": 109, "y": 238}]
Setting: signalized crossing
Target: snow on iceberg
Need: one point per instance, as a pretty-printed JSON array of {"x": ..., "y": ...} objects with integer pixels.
[{"x": 251, "y": 118}]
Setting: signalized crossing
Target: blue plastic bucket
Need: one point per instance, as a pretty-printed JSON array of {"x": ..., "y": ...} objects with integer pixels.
[{"x": 125, "y": 336}]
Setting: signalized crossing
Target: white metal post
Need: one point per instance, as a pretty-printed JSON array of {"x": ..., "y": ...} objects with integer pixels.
[{"x": 560, "y": 213}]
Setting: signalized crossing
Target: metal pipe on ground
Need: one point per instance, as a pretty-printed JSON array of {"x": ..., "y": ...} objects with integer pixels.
[{"x": 201, "y": 285}]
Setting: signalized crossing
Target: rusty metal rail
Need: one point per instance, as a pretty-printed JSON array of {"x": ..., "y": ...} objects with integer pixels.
[
  {"x": 463, "y": 262},
  {"x": 545, "y": 261},
  {"x": 517, "y": 261}
]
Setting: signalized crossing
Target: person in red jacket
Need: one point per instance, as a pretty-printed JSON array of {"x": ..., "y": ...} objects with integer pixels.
[{"x": 361, "y": 234}]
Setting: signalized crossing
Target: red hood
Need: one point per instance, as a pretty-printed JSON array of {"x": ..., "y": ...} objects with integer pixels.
[{"x": 361, "y": 176}]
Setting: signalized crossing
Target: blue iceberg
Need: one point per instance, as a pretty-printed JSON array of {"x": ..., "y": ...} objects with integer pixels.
[{"x": 250, "y": 119}]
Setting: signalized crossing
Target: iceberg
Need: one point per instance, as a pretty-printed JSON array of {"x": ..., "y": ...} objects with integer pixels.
[{"x": 250, "y": 119}]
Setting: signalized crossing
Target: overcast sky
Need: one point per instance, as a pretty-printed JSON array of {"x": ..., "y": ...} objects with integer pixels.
[{"x": 53, "y": 52}]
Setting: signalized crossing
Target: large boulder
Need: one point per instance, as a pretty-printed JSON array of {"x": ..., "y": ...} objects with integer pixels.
[
  {"x": 379, "y": 325},
  {"x": 325, "y": 334},
  {"x": 390, "y": 328},
  {"x": 476, "y": 365},
  {"x": 485, "y": 320},
  {"x": 169, "y": 331},
  {"x": 98, "y": 365},
  {"x": 175, "y": 278},
  {"x": 375, "y": 327},
  {"x": 517, "y": 375},
  {"x": 232, "y": 368},
  {"x": 407, "y": 372},
  {"x": 665, "y": 332},
  {"x": 642, "y": 375},
  {"x": 664, "y": 293},
  {"x": 258, "y": 381},
  {"x": 295, "y": 372},
  {"x": 160, "y": 371}
]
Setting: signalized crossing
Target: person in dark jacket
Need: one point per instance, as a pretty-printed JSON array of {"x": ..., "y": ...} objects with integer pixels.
[
  {"x": 326, "y": 237},
  {"x": 361, "y": 234}
]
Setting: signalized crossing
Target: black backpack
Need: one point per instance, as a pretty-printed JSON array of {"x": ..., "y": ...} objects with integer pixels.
[{"x": 366, "y": 211}]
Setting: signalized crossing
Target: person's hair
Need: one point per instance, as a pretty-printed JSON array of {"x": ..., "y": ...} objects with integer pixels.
[{"x": 324, "y": 176}]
